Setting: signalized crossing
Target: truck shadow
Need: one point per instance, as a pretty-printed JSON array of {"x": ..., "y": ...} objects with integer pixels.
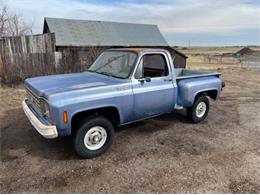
[
  {"x": 164, "y": 120},
  {"x": 19, "y": 139}
]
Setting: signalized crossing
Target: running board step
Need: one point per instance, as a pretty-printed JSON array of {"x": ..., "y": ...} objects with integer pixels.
[{"x": 178, "y": 107}]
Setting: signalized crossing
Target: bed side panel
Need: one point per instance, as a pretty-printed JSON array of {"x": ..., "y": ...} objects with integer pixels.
[{"x": 189, "y": 88}]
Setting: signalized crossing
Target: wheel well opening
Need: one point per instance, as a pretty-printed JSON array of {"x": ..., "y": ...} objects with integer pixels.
[
  {"x": 211, "y": 93},
  {"x": 111, "y": 113}
]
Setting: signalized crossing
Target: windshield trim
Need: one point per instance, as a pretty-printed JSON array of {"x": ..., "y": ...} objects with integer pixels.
[{"x": 111, "y": 50}]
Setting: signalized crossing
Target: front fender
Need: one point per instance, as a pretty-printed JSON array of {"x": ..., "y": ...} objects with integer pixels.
[
  {"x": 66, "y": 129},
  {"x": 98, "y": 107}
]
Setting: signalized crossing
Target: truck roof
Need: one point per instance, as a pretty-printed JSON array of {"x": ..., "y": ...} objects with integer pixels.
[
  {"x": 136, "y": 49},
  {"x": 140, "y": 49}
]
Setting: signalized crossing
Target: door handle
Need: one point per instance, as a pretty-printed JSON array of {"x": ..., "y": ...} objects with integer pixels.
[
  {"x": 167, "y": 79},
  {"x": 147, "y": 79}
]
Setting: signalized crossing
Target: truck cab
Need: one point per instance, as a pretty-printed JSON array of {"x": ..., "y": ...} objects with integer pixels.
[{"x": 122, "y": 86}]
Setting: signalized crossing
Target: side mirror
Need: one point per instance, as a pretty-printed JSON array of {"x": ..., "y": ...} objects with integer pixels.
[{"x": 148, "y": 79}]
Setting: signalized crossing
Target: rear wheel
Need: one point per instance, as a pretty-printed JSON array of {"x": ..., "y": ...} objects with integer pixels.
[
  {"x": 199, "y": 110},
  {"x": 93, "y": 137}
]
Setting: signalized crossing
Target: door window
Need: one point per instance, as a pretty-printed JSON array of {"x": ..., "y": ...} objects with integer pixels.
[{"x": 152, "y": 65}]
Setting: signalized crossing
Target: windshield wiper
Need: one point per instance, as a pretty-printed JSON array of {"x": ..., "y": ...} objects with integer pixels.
[
  {"x": 110, "y": 75},
  {"x": 95, "y": 71},
  {"x": 104, "y": 73},
  {"x": 107, "y": 74}
]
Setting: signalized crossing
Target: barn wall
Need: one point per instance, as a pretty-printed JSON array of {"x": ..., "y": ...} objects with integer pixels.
[
  {"x": 25, "y": 56},
  {"x": 179, "y": 61},
  {"x": 35, "y": 55},
  {"x": 77, "y": 59}
]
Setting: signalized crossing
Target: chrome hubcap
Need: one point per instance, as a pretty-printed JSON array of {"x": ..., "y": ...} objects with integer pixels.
[
  {"x": 95, "y": 138},
  {"x": 201, "y": 109}
]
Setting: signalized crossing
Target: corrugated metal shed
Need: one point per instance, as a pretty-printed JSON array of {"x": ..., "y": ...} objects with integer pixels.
[{"x": 99, "y": 33}]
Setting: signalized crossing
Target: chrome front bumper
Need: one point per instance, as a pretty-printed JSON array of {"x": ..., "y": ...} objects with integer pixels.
[{"x": 47, "y": 131}]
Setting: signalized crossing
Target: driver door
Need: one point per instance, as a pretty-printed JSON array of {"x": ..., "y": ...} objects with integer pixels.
[{"x": 153, "y": 87}]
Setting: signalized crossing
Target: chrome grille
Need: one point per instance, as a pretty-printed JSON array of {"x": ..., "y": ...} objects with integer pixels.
[{"x": 35, "y": 100}]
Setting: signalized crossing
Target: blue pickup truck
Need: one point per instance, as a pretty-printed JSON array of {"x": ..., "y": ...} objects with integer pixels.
[{"x": 122, "y": 86}]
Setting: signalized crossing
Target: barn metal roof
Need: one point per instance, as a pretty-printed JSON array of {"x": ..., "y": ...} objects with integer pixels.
[
  {"x": 70, "y": 32},
  {"x": 245, "y": 50}
]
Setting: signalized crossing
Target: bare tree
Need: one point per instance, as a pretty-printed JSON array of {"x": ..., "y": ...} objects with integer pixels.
[
  {"x": 16, "y": 26},
  {"x": 3, "y": 18},
  {"x": 12, "y": 24}
]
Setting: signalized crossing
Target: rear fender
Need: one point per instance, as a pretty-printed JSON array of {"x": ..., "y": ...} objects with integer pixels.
[{"x": 188, "y": 89}]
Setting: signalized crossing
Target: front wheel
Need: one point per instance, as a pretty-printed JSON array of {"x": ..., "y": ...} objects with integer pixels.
[
  {"x": 199, "y": 110},
  {"x": 93, "y": 137}
]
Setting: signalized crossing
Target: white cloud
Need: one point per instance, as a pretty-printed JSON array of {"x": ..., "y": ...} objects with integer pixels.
[{"x": 191, "y": 16}]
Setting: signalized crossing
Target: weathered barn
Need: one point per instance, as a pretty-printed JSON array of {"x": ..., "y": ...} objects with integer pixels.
[
  {"x": 244, "y": 51},
  {"x": 81, "y": 41}
]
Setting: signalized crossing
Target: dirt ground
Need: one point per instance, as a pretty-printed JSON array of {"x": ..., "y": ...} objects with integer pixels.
[{"x": 166, "y": 154}]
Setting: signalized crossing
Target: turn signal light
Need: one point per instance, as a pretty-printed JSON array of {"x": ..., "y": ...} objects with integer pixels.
[{"x": 65, "y": 117}]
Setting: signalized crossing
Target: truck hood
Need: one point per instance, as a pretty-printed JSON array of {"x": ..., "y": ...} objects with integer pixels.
[{"x": 48, "y": 85}]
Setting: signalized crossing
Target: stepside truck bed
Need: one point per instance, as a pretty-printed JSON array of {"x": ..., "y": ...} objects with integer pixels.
[{"x": 187, "y": 74}]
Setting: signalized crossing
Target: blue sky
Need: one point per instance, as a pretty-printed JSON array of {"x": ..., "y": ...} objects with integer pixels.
[{"x": 182, "y": 22}]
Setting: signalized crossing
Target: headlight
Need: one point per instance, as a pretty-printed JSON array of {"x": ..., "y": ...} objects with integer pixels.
[{"x": 46, "y": 110}]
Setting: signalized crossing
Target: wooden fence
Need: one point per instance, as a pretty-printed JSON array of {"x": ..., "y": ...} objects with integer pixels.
[
  {"x": 208, "y": 59},
  {"x": 26, "y": 56},
  {"x": 251, "y": 61}
]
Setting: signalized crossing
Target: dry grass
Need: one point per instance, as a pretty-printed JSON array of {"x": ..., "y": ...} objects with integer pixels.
[
  {"x": 213, "y": 50},
  {"x": 166, "y": 154}
]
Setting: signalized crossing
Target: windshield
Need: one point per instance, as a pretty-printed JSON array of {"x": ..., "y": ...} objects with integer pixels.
[{"x": 114, "y": 63}]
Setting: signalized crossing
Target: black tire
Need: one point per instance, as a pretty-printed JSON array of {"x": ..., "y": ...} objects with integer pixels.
[
  {"x": 191, "y": 111},
  {"x": 78, "y": 139}
]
